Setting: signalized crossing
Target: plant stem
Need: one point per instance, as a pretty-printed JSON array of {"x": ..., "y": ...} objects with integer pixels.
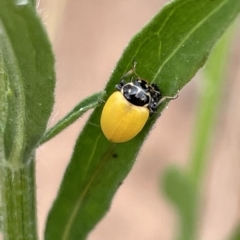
[{"x": 18, "y": 203}]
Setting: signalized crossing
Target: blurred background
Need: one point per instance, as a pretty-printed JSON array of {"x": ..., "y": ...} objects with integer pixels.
[{"x": 88, "y": 38}]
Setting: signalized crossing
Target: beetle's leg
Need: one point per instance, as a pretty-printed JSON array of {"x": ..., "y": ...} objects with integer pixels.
[
  {"x": 153, "y": 105},
  {"x": 165, "y": 98},
  {"x": 120, "y": 85},
  {"x": 152, "y": 108}
]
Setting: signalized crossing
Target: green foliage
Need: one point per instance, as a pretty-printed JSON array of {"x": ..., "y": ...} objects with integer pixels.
[
  {"x": 82, "y": 107},
  {"x": 27, "y": 82},
  {"x": 169, "y": 51},
  {"x": 183, "y": 195},
  {"x": 212, "y": 86},
  {"x": 183, "y": 187},
  {"x": 236, "y": 233},
  {"x": 28, "y": 78}
]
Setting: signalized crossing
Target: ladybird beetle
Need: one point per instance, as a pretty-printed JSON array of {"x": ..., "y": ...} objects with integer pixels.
[{"x": 128, "y": 109}]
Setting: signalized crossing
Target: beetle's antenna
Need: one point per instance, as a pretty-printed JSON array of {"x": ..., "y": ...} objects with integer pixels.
[
  {"x": 134, "y": 69},
  {"x": 131, "y": 71}
]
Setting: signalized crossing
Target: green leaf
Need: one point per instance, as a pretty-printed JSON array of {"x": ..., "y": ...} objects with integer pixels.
[
  {"x": 182, "y": 193},
  {"x": 210, "y": 99},
  {"x": 29, "y": 77},
  {"x": 169, "y": 51},
  {"x": 27, "y": 82},
  {"x": 82, "y": 107},
  {"x": 181, "y": 187}
]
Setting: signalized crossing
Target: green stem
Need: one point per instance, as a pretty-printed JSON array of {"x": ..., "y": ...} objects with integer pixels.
[
  {"x": 18, "y": 201},
  {"x": 85, "y": 105}
]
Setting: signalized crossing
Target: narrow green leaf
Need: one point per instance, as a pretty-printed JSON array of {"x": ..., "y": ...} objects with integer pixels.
[
  {"x": 212, "y": 87},
  {"x": 30, "y": 77},
  {"x": 182, "y": 193},
  {"x": 169, "y": 51},
  {"x": 82, "y": 107}
]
